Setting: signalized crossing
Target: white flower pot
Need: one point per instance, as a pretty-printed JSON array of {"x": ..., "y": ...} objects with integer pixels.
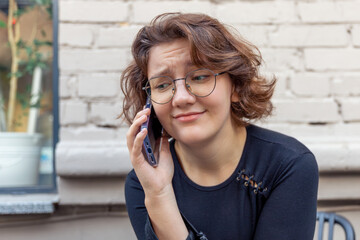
[{"x": 19, "y": 159}]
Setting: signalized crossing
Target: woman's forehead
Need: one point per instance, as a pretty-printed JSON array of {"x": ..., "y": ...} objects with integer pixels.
[{"x": 166, "y": 56}]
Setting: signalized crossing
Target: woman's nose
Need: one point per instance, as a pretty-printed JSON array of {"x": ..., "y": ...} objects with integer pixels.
[{"x": 182, "y": 95}]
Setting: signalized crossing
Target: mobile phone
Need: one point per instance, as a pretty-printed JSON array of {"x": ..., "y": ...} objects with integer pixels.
[{"x": 152, "y": 142}]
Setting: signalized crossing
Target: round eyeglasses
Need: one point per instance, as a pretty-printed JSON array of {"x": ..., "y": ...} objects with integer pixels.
[{"x": 200, "y": 83}]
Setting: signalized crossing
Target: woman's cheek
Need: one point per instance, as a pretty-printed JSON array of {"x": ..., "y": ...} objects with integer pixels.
[{"x": 163, "y": 117}]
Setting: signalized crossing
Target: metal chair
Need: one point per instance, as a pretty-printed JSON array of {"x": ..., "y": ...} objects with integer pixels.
[{"x": 333, "y": 219}]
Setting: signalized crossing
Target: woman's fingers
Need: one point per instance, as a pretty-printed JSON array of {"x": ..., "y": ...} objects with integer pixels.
[
  {"x": 137, "y": 156},
  {"x": 142, "y": 112},
  {"x": 139, "y": 119}
]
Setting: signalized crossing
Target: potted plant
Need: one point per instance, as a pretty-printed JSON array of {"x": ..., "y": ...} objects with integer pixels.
[{"x": 21, "y": 99}]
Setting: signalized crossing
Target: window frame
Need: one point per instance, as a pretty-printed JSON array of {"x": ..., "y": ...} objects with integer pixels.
[{"x": 55, "y": 89}]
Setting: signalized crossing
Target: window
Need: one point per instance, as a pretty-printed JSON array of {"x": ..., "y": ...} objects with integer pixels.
[{"x": 28, "y": 95}]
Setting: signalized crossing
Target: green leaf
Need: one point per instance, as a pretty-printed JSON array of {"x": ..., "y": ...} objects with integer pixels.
[
  {"x": 17, "y": 74},
  {"x": 19, "y": 12},
  {"x": 2, "y": 24},
  {"x": 20, "y": 44},
  {"x": 39, "y": 43},
  {"x": 28, "y": 50},
  {"x": 42, "y": 65}
]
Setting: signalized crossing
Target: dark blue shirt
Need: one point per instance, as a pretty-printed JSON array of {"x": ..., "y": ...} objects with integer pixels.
[{"x": 271, "y": 195}]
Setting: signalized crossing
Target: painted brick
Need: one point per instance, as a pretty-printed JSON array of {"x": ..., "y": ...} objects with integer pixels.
[
  {"x": 281, "y": 59},
  {"x": 67, "y": 86},
  {"x": 329, "y": 11},
  {"x": 105, "y": 114},
  {"x": 346, "y": 85},
  {"x": 356, "y": 35},
  {"x": 91, "y": 191},
  {"x": 256, "y": 34},
  {"x": 89, "y": 224},
  {"x": 350, "y": 109},
  {"x": 88, "y": 133},
  {"x": 354, "y": 156},
  {"x": 88, "y": 60},
  {"x": 93, "y": 11},
  {"x": 99, "y": 85},
  {"x": 332, "y": 59},
  {"x": 297, "y": 111},
  {"x": 92, "y": 158},
  {"x": 117, "y": 37},
  {"x": 309, "y": 36},
  {"x": 257, "y": 12},
  {"x": 75, "y": 35},
  {"x": 73, "y": 112},
  {"x": 145, "y": 11},
  {"x": 121, "y": 134},
  {"x": 310, "y": 85},
  {"x": 326, "y": 133},
  {"x": 339, "y": 187},
  {"x": 281, "y": 83},
  {"x": 334, "y": 151}
]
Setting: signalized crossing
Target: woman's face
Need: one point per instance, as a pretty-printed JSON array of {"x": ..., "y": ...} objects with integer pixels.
[{"x": 187, "y": 118}]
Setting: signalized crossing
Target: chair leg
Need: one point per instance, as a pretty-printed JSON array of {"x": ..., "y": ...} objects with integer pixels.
[
  {"x": 331, "y": 226},
  {"x": 321, "y": 219}
]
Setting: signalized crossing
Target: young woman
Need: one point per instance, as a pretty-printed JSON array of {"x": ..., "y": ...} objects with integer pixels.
[{"x": 219, "y": 177}]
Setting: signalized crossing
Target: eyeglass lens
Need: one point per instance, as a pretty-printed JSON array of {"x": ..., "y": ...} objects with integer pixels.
[{"x": 200, "y": 83}]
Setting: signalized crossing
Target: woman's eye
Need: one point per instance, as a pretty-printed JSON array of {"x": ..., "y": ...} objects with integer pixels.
[
  {"x": 200, "y": 77},
  {"x": 162, "y": 86}
]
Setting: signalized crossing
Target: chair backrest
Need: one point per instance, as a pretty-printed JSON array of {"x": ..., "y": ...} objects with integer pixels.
[{"x": 333, "y": 219}]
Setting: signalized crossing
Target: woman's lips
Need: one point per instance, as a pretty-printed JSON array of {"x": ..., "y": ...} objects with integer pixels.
[{"x": 188, "y": 117}]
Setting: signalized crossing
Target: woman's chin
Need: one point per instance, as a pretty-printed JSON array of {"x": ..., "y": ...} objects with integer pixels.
[{"x": 191, "y": 137}]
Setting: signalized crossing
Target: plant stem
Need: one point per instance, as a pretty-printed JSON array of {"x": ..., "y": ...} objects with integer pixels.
[{"x": 14, "y": 36}]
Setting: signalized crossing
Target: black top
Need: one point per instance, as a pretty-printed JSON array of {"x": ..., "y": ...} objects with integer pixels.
[{"x": 271, "y": 194}]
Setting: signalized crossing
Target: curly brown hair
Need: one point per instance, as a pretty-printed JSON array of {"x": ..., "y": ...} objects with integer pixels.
[{"x": 212, "y": 46}]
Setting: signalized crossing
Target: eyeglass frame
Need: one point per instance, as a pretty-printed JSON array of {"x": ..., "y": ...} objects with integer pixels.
[{"x": 178, "y": 79}]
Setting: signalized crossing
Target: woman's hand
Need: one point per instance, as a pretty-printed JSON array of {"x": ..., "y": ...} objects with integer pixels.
[
  {"x": 160, "y": 200},
  {"x": 156, "y": 181}
]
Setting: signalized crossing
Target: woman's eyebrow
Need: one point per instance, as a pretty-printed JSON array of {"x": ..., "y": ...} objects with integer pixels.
[
  {"x": 166, "y": 71},
  {"x": 162, "y": 72}
]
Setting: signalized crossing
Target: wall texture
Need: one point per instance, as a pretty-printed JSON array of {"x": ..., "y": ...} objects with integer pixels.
[{"x": 312, "y": 46}]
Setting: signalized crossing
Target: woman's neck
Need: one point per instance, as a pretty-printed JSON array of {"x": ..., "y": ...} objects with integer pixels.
[{"x": 212, "y": 162}]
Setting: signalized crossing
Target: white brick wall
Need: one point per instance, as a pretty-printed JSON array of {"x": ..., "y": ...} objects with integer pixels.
[
  {"x": 85, "y": 60},
  {"x": 313, "y": 47},
  {"x": 308, "y": 111},
  {"x": 94, "y": 85},
  {"x": 76, "y": 35},
  {"x": 350, "y": 109},
  {"x": 356, "y": 35},
  {"x": 346, "y": 85},
  {"x": 118, "y": 36},
  {"x": 309, "y": 36},
  {"x": 93, "y": 11},
  {"x": 105, "y": 113},
  {"x": 145, "y": 11},
  {"x": 310, "y": 85},
  {"x": 332, "y": 59},
  {"x": 329, "y": 11},
  {"x": 257, "y": 12}
]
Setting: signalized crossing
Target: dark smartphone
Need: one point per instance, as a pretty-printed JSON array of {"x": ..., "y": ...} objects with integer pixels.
[{"x": 152, "y": 144}]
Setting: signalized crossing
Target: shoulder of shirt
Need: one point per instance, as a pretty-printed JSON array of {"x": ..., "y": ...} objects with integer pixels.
[
  {"x": 286, "y": 144},
  {"x": 271, "y": 155}
]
